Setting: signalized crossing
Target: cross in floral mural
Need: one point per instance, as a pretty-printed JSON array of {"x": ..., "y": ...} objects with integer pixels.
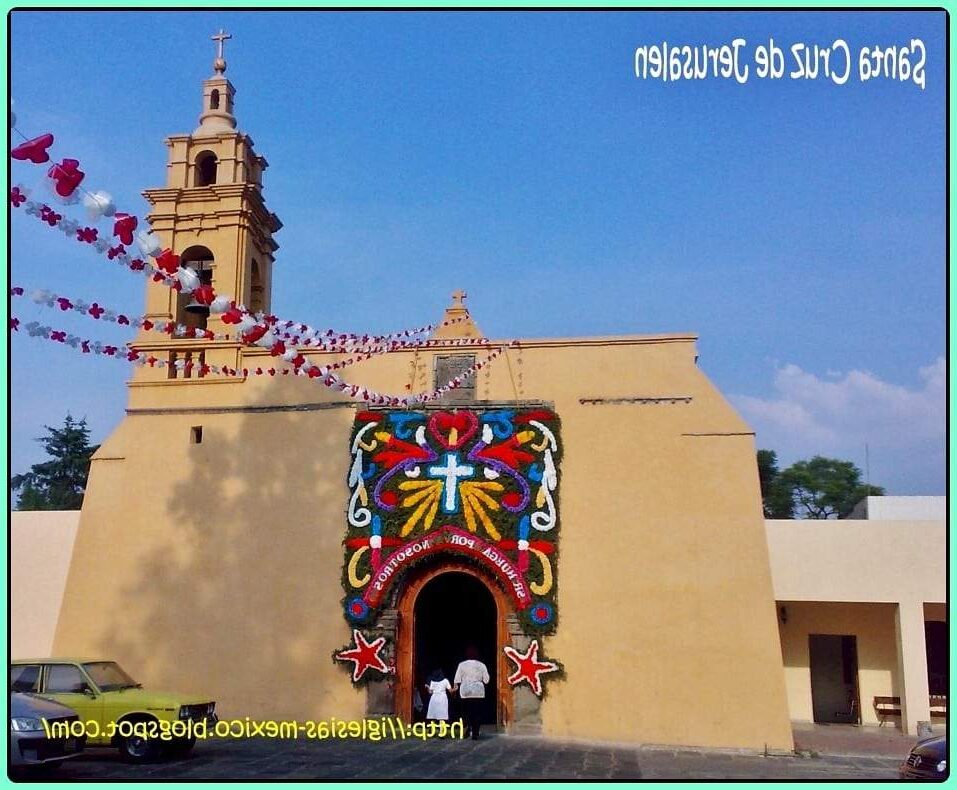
[{"x": 451, "y": 473}]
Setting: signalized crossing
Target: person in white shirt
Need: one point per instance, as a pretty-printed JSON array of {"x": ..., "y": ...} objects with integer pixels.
[
  {"x": 470, "y": 679},
  {"x": 439, "y": 688}
]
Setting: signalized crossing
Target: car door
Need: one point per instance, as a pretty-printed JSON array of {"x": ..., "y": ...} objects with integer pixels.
[{"x": 68, "y": 685}]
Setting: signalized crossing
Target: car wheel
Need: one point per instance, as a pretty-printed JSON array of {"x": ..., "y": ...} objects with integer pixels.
[
  {"x": 137, "y": 748},
  {"x": 181, "y": 746}
]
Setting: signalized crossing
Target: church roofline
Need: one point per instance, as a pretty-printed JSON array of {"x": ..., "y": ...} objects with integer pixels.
[
  {"x": 551, "y": 342},
  {"x": 607, "y": 340},
  {"x": 545, "y": 342}
]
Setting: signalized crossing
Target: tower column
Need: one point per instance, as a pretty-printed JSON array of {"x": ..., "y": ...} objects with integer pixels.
[{"x": 912, "y": 665}]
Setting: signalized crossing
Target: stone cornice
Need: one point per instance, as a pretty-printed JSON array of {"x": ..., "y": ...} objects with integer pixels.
[
  {"x": 202, "y": 223},
  {"x": 186, "y": 138},
  {"x": 163, "y": 410},
  {"x": 254, "y": 352},
  {"x": 216, "y": 192},
  {"x": 183, "y": 344},
  {"x": 245, "y": 208},
  {"x": 160, "y": 194},
  {"x": 206, "y": 381}
]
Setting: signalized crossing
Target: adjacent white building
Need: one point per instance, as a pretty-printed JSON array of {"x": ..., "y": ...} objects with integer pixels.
[{"x": 862, "y": 611}]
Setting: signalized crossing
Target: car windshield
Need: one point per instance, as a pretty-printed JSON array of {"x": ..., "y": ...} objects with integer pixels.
[{"x": 109, "y": 676}]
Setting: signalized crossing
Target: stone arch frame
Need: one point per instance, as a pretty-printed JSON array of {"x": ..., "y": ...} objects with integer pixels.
[
  {"x": 198, "y": 253},
  {"x": 469, "y": 548},
  {"x": 403, "y": 597},
  {"x": 205, "y": 168},
  {"x": 194, "y": 254}
]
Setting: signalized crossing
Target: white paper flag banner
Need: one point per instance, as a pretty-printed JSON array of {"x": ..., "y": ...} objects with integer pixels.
[
  {"x": 354, "y": 391},
  {"x": 282, "y": 338},
  {"x": 99, "y": 204}
]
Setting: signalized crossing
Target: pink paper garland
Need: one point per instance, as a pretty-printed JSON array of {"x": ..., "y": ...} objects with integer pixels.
[
  {"x": 347, "y": 342},
  {"x": 330, "y": 380},
  {"x": 50, "y": 299},
  {"x": 68, "y": 178}
]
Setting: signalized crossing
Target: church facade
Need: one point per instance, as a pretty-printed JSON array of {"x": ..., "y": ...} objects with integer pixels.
[{"x": 584, "y": 511}]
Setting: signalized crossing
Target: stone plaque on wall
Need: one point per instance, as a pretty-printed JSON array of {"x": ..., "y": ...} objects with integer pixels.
[{"x": 447, "y": 367}]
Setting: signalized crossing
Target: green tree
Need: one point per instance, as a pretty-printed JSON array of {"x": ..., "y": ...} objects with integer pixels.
[
  {"x": 775, "y": 494},
  {"x": 826, "y": 487},
  {"x": 57, "y": 484}
]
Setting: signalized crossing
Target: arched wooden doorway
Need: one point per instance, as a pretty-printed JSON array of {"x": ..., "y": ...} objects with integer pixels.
[{"x": 405, "y": 638}]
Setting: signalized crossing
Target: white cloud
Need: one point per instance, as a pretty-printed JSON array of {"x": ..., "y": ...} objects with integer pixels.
[{"x": 904, "y": 427}]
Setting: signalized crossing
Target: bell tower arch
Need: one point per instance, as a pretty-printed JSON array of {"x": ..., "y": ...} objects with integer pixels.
[{"x": 213, "y": 201}]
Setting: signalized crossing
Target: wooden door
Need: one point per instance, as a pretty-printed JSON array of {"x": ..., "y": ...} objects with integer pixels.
[{"x": 405, "y": 658}]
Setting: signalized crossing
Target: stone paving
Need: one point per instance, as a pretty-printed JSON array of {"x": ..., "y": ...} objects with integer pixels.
[
  {"x": 494, "y": 757},
  {"x": 854, "y": 739}
]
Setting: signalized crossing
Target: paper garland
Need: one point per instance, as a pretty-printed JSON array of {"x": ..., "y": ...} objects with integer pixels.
[
  {"x": 260, "y": 324},
  {"x": 100, "y": 204},
  {"x": 65, "y": 178},
  {"x": 322, "y": 374},
  {"x": 51, "y": 299},
  {"x": 98, "y": 312},
  {"x": 19, "y": 197},
  {"x": 259, "y": 333},
  {"x": 94, "y": 310}
]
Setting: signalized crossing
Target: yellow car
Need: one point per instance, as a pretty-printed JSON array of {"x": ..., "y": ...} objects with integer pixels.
[{"x": 116, "y": 710}]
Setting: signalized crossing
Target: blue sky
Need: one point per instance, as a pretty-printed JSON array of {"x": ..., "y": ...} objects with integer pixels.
[{"x": 797, "y": 226}]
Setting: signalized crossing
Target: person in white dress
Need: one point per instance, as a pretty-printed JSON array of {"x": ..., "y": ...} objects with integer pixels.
[
  {"x": 470, "y": 679},
  {"x": 438, "y": 688}
]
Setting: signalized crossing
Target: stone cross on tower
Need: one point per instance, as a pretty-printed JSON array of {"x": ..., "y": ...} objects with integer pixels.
[
  {"x": 219, "y": 65},
  {"x": 458, "y": 298}
]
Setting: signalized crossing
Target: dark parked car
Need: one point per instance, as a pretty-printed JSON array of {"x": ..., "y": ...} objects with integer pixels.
[
  {"x": 30, "y": 744},
  {"x": 927, "y": 760}
]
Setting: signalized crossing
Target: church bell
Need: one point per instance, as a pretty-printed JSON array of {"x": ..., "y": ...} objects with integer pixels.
[{"x": 197, "y": 308}]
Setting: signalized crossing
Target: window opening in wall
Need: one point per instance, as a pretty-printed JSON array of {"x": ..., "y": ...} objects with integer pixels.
[
  {"x": 200, "y": 260},
  {"x": 257, "y": 299},
  {"x": 206, "y": 169}
]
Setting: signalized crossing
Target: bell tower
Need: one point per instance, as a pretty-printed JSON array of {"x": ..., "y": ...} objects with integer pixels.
[{"x": 211, "y": 213}]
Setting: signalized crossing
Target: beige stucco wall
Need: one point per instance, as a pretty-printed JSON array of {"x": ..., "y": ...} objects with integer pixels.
[
  {"x": 41, "y": 544},
  {"x": 858, "y": 560},
  {"x": 217, "y": 566},
  {"x": 214, "y": 568}
]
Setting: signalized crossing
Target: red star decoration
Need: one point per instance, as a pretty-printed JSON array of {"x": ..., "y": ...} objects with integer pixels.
[
  {"x": 365, "y": 655},
  {"x": 530, "y": 669}
]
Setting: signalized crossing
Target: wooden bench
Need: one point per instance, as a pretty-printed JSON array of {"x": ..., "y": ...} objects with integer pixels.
[
  {"x": 938, "y": 706},
  {"x": 887, "y": 706},
  {"x": 891, "y": 706}
]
